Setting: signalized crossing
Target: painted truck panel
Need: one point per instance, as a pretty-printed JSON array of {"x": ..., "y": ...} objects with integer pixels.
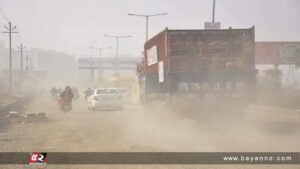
[{"x": 194, "y": 60}]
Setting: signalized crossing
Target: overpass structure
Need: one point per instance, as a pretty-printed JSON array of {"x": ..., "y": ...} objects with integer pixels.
[
  {"x": 108, "y": 63},
  {"x": 120, "y": 64}
]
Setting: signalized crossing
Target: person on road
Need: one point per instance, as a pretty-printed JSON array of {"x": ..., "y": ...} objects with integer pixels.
[
  {"x": 88, "y": 92},
  {"x": 66, "y": 98}
]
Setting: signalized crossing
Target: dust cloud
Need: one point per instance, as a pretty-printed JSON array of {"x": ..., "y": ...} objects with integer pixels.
[
  {"x": 204, "y": 128},
  {"x": 186, "y": 124},
  {"x": 155, "y": 127}
]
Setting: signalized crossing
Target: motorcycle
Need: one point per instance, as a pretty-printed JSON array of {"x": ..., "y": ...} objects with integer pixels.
[{"x": 65, "y": 107}]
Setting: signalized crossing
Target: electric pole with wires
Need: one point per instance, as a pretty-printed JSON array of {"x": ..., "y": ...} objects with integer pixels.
[
  {"x": 21, "y": 47},
  {"x": 10, "y": 31}
]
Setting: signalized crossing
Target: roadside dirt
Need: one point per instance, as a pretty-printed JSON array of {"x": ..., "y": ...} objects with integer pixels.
[{"x": 139, "y": 128}]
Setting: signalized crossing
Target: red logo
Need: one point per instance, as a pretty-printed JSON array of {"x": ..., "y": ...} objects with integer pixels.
[{"x": 38, "y": 158}]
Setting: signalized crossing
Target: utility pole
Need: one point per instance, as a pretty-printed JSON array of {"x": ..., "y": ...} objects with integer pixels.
[
  {"x": 147, "y": 20},
  {"x": 21, "y": 56},
  {"x": 21, "y": 60},
  {"x": 117, "y": 48},
  {"x": 213, "y": 14},
  {"x": 10, "y": 31}
]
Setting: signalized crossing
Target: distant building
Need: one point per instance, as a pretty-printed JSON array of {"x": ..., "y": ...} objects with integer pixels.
[{"x": 58, "y": 65}]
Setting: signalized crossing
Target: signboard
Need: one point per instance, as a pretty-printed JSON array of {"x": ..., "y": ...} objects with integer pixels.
[
  {"x": 161, "y": 74},
  {"x": 276, "y": 53},
  {"x": 212, "y": 25},
  {"x": 152, "y": 55},
  {"x": 289, "y": 52},
  {"x": 89, "y": 63}
]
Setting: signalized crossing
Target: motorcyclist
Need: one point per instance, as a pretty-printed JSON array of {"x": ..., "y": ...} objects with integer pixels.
[
  {"x": 66, "y": 98},
  {"x": 88, "y": 92}
]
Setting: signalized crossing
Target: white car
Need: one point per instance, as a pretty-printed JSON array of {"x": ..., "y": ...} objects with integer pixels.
[{"x": 105, "y": 98}]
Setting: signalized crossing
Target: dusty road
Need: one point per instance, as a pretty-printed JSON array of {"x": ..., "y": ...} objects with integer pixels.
[{"x": 139, "y": 128}]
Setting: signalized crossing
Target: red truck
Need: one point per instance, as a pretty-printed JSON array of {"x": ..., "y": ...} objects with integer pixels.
[{"x": 198, "y": 62}]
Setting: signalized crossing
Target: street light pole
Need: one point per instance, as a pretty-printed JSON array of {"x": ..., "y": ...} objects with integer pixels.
[
  {"x": 147, "y": 20},
  {"x": 117, "y": 48},
  {"x": 147, "y": 27},
  {"x": 213, "y": 14}
]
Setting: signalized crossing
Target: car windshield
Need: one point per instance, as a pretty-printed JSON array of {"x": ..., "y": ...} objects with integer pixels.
[{"x": 107, "y": 91}]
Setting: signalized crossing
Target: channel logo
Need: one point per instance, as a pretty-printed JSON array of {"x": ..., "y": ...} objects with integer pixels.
[{"x": 38, "y": 158}]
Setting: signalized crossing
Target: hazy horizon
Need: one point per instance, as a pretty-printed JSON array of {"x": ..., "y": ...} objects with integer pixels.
[{"x": 74, "y": 26}]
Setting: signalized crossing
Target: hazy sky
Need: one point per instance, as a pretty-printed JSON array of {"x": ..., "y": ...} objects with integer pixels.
[{"x": 74, "y": 25}]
